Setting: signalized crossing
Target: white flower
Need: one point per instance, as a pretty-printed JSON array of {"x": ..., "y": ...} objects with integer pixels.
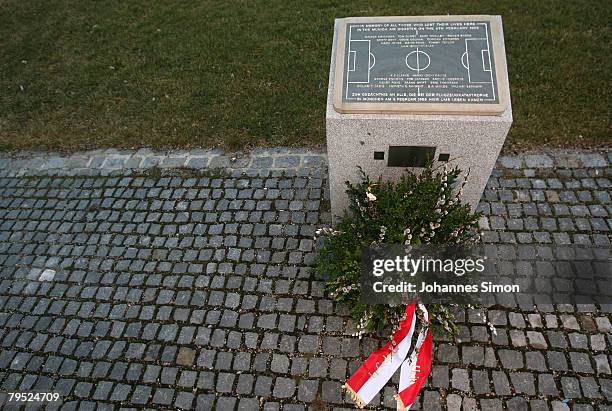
[
  {"x": 371, "y": 197},
  {"x": 383, "y": 231}
]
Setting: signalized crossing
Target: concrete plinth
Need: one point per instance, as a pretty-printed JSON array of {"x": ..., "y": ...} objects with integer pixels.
[{"x": 473, "y": 142}]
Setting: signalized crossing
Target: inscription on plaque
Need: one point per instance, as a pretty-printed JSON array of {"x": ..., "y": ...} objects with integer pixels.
[{"x": 387, "y": 63}]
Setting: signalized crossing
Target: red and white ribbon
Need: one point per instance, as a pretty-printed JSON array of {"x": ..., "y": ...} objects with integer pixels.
[
  {"x": 380, "y": 366},
  {"x": 416, "y": 368}
]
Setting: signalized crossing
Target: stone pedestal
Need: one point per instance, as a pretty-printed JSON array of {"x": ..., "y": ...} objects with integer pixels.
[{"x": 472, "y": 142}]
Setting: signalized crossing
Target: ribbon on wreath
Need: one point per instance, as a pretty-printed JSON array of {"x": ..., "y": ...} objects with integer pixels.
[{"x": 380, "y": 366}]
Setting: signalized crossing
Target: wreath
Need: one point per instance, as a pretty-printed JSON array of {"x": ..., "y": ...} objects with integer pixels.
[{"x": 421, "y": 208}]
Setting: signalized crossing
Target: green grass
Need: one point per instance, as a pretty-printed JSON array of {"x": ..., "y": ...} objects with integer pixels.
[{"x": 85, "y": 74}]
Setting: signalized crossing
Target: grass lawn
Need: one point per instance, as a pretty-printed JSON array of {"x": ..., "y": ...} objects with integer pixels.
[{"x": 85, "y": 74}]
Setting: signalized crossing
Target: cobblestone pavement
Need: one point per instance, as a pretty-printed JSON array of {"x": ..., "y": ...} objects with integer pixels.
[{"x": 123, "y": 285}]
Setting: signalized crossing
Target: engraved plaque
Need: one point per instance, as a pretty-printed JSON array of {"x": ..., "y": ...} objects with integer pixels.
[{"x": 437, "y": 64}]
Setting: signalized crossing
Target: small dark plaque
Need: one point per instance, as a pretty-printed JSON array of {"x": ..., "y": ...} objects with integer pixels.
[
  {"x": 428, "y": 64},
  {"x": 379, "y": 155},
  {"x": 410, "y": 156},
  {"x": 443, "y": 157}
]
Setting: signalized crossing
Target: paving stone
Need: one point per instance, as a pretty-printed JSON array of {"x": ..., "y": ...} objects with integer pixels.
[
  {"x": 602, "y": 366},
  {"x": 460, "y": 379},
  {"x": 511, "y": 359},
  {"x": 431, "y": 400},
  {"x": 538, "y": 405},
  {"x": 570, "y": 322},
  {"x": 184, "y": 400},
  {"x": 534, "y": 360},
  {"x": 559, "y": 406},
  {"x": 469, "y": 404},
  {"x": 593, "y": 160},
  {"x": 263, "y": 386},
  {"x": 186, "y": 356},
  {"x": 557, "y": 339},
  {"x": 331, "y": 392},
  {"x": 308, "y": 344},
  {"x": 225, "y": 403},
  {"x": 606, "y": 387},
  {"x": 517, "y": 320},
  {"x": 453, "y": 402},
  {"x": 480, "y": 382},
  {"x": 590, "y": 388},
  {"x": 501, "y": 383},
  {"x": 603, "y": 324},
  {"x": 518, "y": 338},
  {"x": 517, "y": 403},
  {"x": 141, "y": 394},
  {"x": 102, "y": 390},
  {"x": 557, "y": 361},
  {"x": 121, "y": 392},
  {"x": 536, "y": 340},
  {"x": 280, "y": 363},
  {"x": 578, "y": 341},
  {"x": 523, "y": 382},
  {"x": 490, "y": 404},
  {"x": 580, "y": 362},
  {"x": 447, "y": 353},
  {"x": 473, "y": 355},
  {"x": 570, "y": 387},
  {"x": 225, "y": 382},
  {"x": 307, "y": 390},
  {"x": 538, "y": 161},
  {"x": 317, "y": 367},
  {"x": 547, "y": 385},
  {"x": 246, "y": 404},
  {"x": 188, "y": 379},
  {"x": 139, "y": 289}
]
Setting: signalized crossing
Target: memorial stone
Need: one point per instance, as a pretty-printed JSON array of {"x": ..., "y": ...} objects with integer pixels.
[{"x": 405, "y": 90}]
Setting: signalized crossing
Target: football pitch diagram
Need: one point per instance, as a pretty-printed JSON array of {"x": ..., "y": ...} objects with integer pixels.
[{"x": 447, "y": 62}]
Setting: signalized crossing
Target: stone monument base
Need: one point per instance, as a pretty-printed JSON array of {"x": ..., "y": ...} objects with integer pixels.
[{"x": 472, "y": 142}]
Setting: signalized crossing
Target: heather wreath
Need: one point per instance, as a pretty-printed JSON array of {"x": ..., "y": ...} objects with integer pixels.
[{"x": 421, "y": 208}]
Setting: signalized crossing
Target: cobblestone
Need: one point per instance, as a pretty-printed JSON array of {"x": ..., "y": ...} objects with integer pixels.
[{"x": 188, "y": 286}]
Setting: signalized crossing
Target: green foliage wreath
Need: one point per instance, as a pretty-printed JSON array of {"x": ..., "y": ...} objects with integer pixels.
[{"x": 419, "y": 208}]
